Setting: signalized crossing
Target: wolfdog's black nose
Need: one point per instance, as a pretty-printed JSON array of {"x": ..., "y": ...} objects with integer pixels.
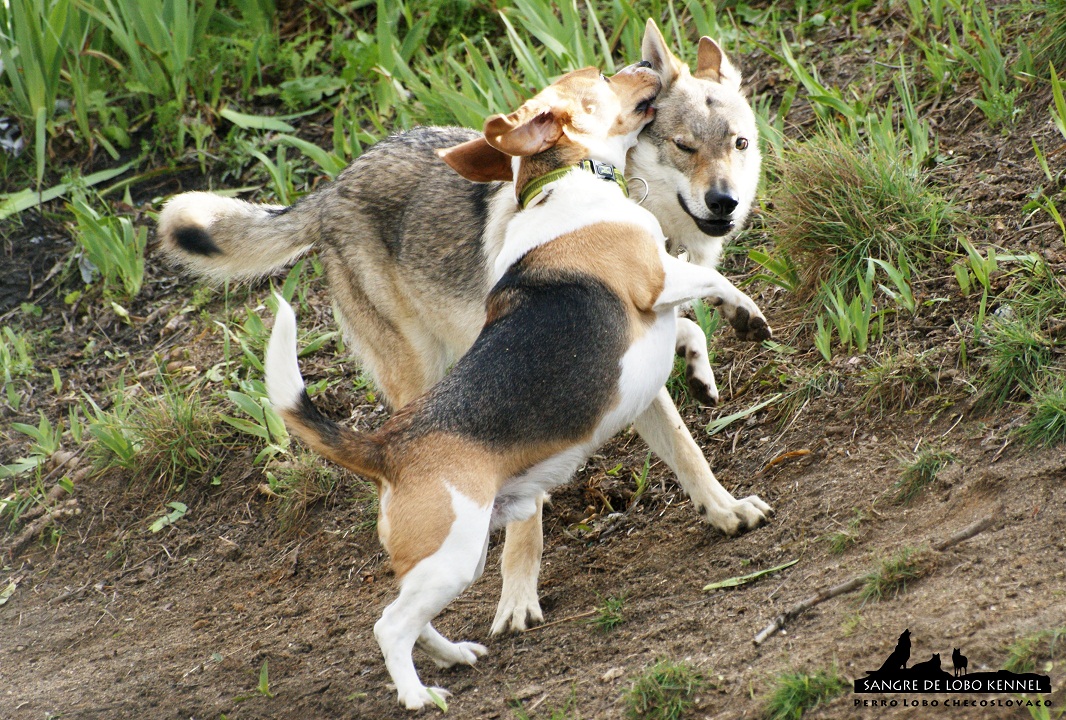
[{"x": 720, "y": 204}]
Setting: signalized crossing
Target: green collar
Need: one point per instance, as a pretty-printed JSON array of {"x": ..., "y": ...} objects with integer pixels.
[{"x": 602, "y": 170}]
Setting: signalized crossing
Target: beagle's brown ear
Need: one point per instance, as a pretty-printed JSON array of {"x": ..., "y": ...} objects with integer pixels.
[
  {"x": 531, "y": 129},
  {"x": 478, "y": 161}
]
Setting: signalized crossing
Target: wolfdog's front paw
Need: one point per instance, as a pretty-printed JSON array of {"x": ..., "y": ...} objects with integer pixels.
[
  {"x": 416, "y": 698},
  {"x": 749, "y": 323}
]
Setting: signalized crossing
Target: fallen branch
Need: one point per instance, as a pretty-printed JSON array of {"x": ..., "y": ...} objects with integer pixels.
[
  {"x": 857, "y": 582},
  {"x": 67, "y": 508},
  {"x": 52, "y": 497}
]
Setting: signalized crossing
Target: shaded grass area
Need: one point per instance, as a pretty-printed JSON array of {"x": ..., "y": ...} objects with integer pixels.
[
  {"x": 795, "y": 693},
  {"x": 837, "y": 204}
]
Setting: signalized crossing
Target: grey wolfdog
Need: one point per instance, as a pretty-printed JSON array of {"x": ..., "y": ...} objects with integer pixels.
[{"x": 409, "y": 249}]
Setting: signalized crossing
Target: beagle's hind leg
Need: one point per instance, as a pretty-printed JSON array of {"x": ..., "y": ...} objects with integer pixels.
[
  {"x": 445, "y": 653},
  {"x": 426, "y": 588}
]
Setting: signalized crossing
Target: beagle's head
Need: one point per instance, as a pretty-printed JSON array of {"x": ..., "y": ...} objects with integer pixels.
[{"x": 582, "y": 115}]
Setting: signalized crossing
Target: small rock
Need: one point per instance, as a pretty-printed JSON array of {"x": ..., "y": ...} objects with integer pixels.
[
  {"x": 612, "y": 674},
  {"x": 528, "y": 691},
  {"x": 227, "y": 549}
]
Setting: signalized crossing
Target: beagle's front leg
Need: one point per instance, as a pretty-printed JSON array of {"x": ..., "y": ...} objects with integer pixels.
[
  {"x": 523, "y": 546},
  {"x": 687, "y": 281}
]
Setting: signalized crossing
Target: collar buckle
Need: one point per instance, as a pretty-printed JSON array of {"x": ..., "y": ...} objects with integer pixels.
[{"x": 533, "y": 192}]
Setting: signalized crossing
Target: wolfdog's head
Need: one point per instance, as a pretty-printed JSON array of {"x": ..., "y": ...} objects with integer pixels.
[{"x": 700, "y": 156}]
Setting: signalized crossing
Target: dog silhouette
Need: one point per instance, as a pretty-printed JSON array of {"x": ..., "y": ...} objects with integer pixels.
[
  {"x": 959, "y": 661},
  {"x": 931, "y": 666},
  {"x": 898, "y": 659}
]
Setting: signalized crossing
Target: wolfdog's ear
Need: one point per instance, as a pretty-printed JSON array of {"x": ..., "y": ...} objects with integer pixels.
[
  {"x": 654, "y": 50},
  {"x": 712, "y": 64},
  {"x": 478, "y": 161},
  {"x": 531, "y": 129}
]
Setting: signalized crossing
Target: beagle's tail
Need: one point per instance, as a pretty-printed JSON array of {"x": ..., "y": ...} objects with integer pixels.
[{"x": 357, "y": 451}]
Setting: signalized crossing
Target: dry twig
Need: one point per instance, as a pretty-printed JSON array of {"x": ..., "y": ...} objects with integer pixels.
[{"x": 857, "y": 582}]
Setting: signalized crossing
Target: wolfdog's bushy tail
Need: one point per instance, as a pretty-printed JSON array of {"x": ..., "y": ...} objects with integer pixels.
[
  {"x": 357, "y": 451},
  {"x": 222, "y": 238}
]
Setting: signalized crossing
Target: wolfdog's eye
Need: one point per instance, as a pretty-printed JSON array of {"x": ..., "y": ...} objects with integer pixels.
[
  {"x": 683, "y": 147},
  {"x": 742, "y": 143}
]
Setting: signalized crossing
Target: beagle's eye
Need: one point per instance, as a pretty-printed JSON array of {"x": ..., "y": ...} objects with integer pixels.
[
  {"x": 683, "y": 147},
  {"x": 742, "y": 143}
]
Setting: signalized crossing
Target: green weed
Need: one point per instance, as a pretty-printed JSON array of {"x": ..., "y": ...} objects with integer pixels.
[
  {"x": 978, "y": 47},
  {"x": 177, "y": 512},
  {"x": 856, "y": 322},
  {"x": 1018, "y": 355},
  {"x": 16, "y": 361},
  {"x": 113, "y": 246},
  {"x": 160, "y": 40},
  {"x": 641, "y": 480},
  {"x": 1051, "y": 35},
  {"x": 164, "y": 440},
  {"x": 35, "y": 37},
  {"x": 1047, "y": 427},
  {"x": 900, "y": 276},
  {"x": 609, "y": 613},
  {"x": 569, "y": 711},
  {"x": 919, "y": 472},
  {"x": 265, "y": 423},
  {"x": 899, "y": 378},
  {"x": 1024, "y": 654},
  {"x": 299, "y": 483},
  {"x": 893, "y": 574},
  {"x": 823, "y": 338},
  {"x": 845, "y": 538},
  {"x": 795, "y": 693},
  {"x": 777, "y": 270},
  {"x": 839, "y": 203},
  {"x": 27, "y": 492},
  {"x": 665, "y": 691}
]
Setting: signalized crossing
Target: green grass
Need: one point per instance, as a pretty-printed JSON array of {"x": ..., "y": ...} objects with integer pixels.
[
  {"x": 298, "y": 483},
  {"x": 920, "y": 472},
  {"x": 1025, "y": 654},
  {"x": 569, "y": 711},
  {"x": 840, "y": 540},
  {"x": 1051, "y": 36},
  {"x": 795, "y": 693},
  {"x": 1047, "y": 426},
  {"x": 16, "y": 362},
  {"x": 838, "y": 203},
  {"x": 898, "y": 379},
  {"x": 665, "y": 691},
  {"x": 609, "y": 613},
  {"x": 113, "y": 247},
  {"x": 162, "y": 440},
  {"x": 892, "y": 574},
  {"x": 1017, "y": 357}
]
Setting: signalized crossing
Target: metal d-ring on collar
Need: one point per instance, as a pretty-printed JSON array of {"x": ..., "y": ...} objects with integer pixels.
[{"x": 604, "y": 171}]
